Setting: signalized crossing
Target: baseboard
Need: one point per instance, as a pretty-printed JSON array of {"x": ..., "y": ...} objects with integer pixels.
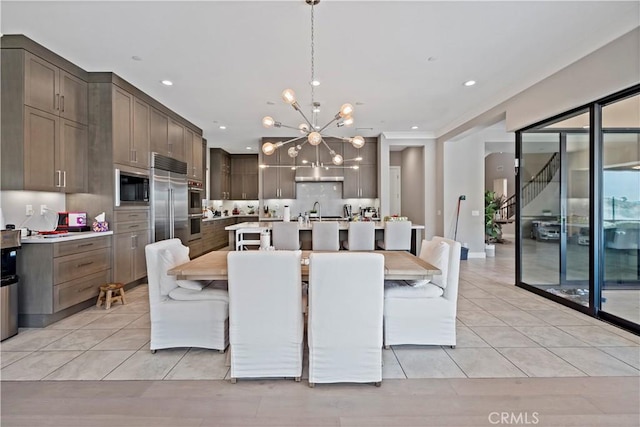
[{"x": 477, "y": 255}]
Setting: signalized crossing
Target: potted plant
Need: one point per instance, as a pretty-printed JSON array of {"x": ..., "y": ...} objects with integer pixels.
[{"x": 492, "y": 229}]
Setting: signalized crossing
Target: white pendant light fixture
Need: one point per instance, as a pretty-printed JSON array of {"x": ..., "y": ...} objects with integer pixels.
[{"x": 311, "y": 132}]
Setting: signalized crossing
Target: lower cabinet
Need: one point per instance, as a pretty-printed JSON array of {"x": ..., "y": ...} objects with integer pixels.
[
  {"x": 57, "y": 276},
  {"x": 132, "y": 234}
]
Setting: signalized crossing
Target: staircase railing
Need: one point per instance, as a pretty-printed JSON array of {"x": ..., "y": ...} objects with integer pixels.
[{"x": 532, "y": 188}]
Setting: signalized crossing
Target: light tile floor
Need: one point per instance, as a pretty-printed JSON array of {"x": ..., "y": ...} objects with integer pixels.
[{"x": 503, "y": 331}]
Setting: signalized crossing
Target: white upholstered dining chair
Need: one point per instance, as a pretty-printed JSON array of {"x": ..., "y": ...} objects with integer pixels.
[
  {"x": 346, "y": 292},
  {"x": 360, "y": 236},
  {"x": 425, "y": 313},
  {"x": 325, "y": 236},
  {"x": 285, "y": 236},
  {"x": 397, "y": 236},
  {"x": 266, "y": 323},
  {"x": 184, "y": 313}
]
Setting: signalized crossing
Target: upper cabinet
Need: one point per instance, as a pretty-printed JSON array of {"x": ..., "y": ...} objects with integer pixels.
[
  {"x": 220, "y": 175},
  {"x": 193, "y": 153},
  {"x": 159, "y": 132},
  {"x": 131, "y": 129},
  {"x": 278, "y": 182},
  {"x": 51, "y": 89},
  {"x": 176, "y": 141},
  {"x": 244, "y": 177},
  {"x": 44, "y": 132},
  {"x": 361, "y": 182}
]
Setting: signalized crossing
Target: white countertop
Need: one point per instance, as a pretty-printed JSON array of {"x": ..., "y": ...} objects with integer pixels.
[
  {"x": 342, "y": 225},
  {"x": 57, "y": 238}
]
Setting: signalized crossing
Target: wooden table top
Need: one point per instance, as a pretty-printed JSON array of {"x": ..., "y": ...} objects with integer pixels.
[{"x": 398, "y": 265}]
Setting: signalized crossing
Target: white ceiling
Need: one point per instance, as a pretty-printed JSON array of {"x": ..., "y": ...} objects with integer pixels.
[{"x": 227, "y": 59}]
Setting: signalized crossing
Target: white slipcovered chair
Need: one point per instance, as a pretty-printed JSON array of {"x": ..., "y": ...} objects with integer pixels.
[
  {"x": 397, "y": 236},
  {"x": 184, "y": 313},
  {"x": 425, "y": 313},
  {"x": 266, "y": 323},
  {"x": 285, "y": 236},
  {"x": 325, "y": 236},
  {"x": 346, "y": 292},
  {"x": 361, "y": 236}
]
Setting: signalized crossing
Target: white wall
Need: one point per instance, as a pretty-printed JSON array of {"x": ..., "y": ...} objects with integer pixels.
[
  {"x": 463, "y": 166},
  {"x": 412, "y": 181}
]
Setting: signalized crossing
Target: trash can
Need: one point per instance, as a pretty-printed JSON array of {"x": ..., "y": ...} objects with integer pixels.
[
  {"x": 490, "y": 250},
  {"x": 8, "y": 307},
  {"x": 464, "y": 253}
]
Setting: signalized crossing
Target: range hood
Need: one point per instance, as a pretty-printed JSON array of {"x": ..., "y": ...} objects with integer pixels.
[{"x": 318, "y": 174}]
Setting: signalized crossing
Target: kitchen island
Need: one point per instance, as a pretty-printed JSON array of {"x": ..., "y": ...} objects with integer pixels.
[{"x": 306, "y": 230}]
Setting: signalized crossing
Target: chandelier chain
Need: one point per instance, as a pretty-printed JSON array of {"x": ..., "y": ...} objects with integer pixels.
[{"x": 313, "y": 75}]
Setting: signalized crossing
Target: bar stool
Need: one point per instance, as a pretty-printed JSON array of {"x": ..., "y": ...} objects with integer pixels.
[
  {"x": 361, "y": 236},
  {"x": 324, "y": 236},
  {"x": 110, "y": 293},
  {"x": 285, "y": 236},
  {"x": 397, "y": 236},
  {"x": 248, "y": 237}
]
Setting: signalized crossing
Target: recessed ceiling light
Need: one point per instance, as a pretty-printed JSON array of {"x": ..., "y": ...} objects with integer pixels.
[
  {"x": 414, "y": 127},
  {"x": 167, "y": 82},
  {"x": 469, "y": 82},
  {"x": 223, "y": 127},
  {"x": 249, "y": 148},
  {"x": 315, "y": 83},
  {"x": 271, "y": 103},
  {"x": 136, "y": 58},
  {"x": 359, "y": 103}
]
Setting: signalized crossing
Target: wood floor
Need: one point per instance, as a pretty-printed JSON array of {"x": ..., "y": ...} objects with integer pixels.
[{"x": 566, "y": 370}]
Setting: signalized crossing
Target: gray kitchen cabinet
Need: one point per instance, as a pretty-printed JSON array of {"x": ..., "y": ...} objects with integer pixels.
[
  {"x": 131, "y": 235},
  {"x": 131, "y": 118},
  {"x": 55, "y": 153},
  {"x": 278, "y": 182},
  {"x": 44, "y": 135},
  {"x": 219, "y": 175},
  {"x": 159, "y": 131},
  {"x": 176, "y": 141},
  {"x": 361, "y": 182},
  {"x": 54, "y": 277},
  {"x": 193, "y": 154},
  {"x": 51, "y": 89},
  {"x": 244, "y": 177}
]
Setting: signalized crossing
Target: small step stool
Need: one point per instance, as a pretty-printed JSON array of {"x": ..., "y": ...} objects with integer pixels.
[{"x": 109, "y": 293}]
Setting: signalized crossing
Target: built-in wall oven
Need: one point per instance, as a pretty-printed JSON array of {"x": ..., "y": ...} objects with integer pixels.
[
  {"x": 195, "y": 226},
  {"x": 196, "y": 194}
]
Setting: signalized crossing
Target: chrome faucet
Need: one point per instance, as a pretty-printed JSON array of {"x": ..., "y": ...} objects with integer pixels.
[{"x": 319, "y": 210}]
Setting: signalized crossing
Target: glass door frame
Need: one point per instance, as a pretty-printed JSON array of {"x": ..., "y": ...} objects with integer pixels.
[{"x": 596, "y": 229}]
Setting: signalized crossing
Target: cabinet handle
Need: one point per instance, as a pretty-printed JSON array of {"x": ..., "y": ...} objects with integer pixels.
[
  {"x": 64, "y": 177},
  {"x": 56, "y": 102},
  {"x": 62, "y": 103},
  {"x": 84, "y": 264},
  {"x": 134, "y": 226},
  {"x": 58, "y": 178},
  {"x": 86, "y": 288},
  {"x": 133, "y": 215},
  {"x": 134, "y": 239},
  {"x": 85, "y": 245}
]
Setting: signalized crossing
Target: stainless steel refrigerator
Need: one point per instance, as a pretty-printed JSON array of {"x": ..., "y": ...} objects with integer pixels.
[{"x": 168, "y": 198}]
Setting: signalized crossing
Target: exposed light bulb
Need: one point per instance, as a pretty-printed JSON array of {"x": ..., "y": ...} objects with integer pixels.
[
  {"x": 304, "y": 128},
  {"x": 268, "y": 122},
  {"x": 289, "y": 96},
  {"x": 305, "y": 162},
  {"x": 358, "y": 159},
  {"x": 268, "y": 148},
  {"x": 315, "y": 83},
  {"x": 357, "y": 141},
  {"x": 355, "y": 167},
  {"x": 314, "y": 138},
  {"x": 348, "y": 120},
  {"x": 316, "y": 109},
  {"x": 345, "y": 110},
  {"x": 292, "y": 152},
  {"x": 337, "y": 160}
]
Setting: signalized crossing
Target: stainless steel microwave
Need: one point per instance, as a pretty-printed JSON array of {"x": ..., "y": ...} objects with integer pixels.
[{"x": 131, "y": 188}]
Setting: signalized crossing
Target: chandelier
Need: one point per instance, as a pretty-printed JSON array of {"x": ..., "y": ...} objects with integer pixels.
[{"x": 311, "y": 132}]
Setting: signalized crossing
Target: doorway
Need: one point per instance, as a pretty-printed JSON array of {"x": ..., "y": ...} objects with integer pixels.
[{"x": 395, "y": 190}]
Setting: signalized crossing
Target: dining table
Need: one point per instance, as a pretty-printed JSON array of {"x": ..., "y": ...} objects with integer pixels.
[{"x": 398, "y": 265}]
